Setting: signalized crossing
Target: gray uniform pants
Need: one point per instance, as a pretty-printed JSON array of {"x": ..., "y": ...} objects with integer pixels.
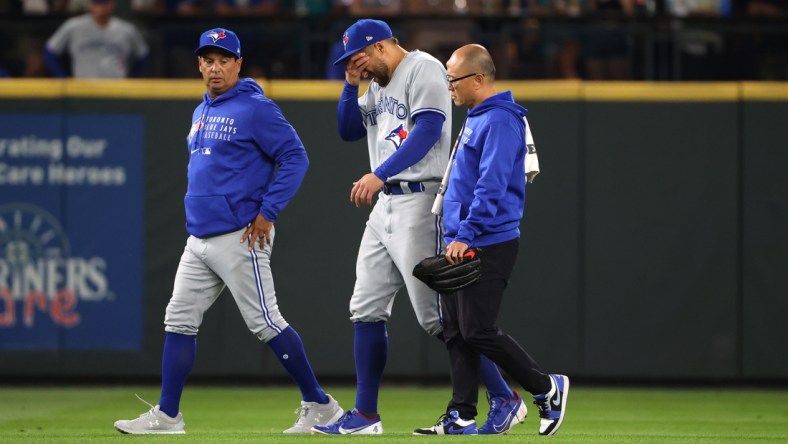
[
  {"x": 400, "y": 232},
  {"x": 206, "y": 267}
]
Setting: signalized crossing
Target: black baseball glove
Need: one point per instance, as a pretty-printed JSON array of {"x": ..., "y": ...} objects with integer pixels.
[{"x": 443, "y": 277}]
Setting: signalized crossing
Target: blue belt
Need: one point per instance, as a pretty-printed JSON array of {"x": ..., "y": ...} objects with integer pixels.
[{"x": 411, "y": 187}]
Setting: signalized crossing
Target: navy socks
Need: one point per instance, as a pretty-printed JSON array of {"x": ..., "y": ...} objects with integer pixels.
[
  {"x": 371, "y": 349},
  {"x": 492, "y": 379},
  {"x": 289, "y": 348},
  {"x": 176, "y": 363}
]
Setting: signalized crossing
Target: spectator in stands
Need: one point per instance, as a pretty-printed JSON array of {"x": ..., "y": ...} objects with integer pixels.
[
  {"x": 42, "y": 7},
  {"x": 245, "y": 7},
  {"x": 522, "y": 54},
  {"x": 371, "y": 8},
  {"x": 184, "y": 7},
  {"x": 168, "y": 7},
  {"x": 771, "y": 47},
  {"x": 22, "y": 57},
  {"x": 98, "y": 44},
  {"x": 77, "y": 6},
  {"x": 561, "y": 46},
  {"x": 319, "y": 7},
  {"x": 701, "y": 49},
  {"x": 607, "y": 51},
  {"x": 32, "y": 60},
  {"x": 766, "y": 8}
]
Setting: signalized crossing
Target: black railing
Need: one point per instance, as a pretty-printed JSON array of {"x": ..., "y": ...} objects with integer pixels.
[{"x": 524, "y": 47}]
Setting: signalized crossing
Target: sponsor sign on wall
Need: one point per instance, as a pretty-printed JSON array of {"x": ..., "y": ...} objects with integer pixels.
[{"x": 71, "y": 227}]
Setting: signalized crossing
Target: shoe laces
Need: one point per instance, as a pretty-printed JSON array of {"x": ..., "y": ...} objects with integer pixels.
[
  {"x": 302, "y": 412},
  {"x": 445, "y": 419},
  {"x": 544, "y": 406},
  {"x": 146, "y": 403},
  {"x": 346, "y": 417},
  {"x": 495, "y": 407}
]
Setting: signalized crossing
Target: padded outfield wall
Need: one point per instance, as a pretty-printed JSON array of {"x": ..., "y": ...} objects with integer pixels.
[{"x": 654, "y": 246}]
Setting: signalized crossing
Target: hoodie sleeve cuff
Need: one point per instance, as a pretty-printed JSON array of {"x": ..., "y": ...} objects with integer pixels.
[
  {"x": 268, "y": 215},
  {"x": 464, "y": 240}
]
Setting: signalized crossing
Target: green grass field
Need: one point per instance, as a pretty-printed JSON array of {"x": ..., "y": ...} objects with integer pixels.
[{"x": 258, "y": 415}]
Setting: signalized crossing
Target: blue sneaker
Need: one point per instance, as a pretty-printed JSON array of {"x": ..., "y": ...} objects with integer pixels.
[
  {"x": 450, "y": 424},
  {"x": 552, "y": 405},
  {"x": 504, "y": 414},
  {"x": 351, "y": 423}
]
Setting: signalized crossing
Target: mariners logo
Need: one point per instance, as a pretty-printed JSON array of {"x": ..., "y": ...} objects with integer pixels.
[
  {"x": 37, "y": 271},
  {"x": 217, "y": 35},
  {"x": 397, "y": 136}
]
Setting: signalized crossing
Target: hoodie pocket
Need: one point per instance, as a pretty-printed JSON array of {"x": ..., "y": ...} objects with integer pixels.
[{"x": 211, "y": 213}]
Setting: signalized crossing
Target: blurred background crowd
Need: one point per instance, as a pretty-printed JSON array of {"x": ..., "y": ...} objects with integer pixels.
[{"x": 298, "y": 39}]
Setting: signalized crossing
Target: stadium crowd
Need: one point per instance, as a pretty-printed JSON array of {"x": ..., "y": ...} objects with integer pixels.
[{"x": 530, "y": 39}]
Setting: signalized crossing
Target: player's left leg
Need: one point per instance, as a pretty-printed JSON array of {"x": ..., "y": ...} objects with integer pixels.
[
  {"x": 248, "y": 276},
  {"x": 377, "y": 283},
  {"x": 464, "y": 364},
  {"x": 480, "y": 304},
  {"x": 418, "y": 234},
  {"x": 195, "y": 289}
]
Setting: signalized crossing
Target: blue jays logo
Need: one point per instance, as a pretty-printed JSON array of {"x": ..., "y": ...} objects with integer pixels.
[
  {"x": 345, "y": 39},
  {"x": 397, "y": 136},
  {"x": 217, "y": 35},
  {"x": 195, "y": 127}
]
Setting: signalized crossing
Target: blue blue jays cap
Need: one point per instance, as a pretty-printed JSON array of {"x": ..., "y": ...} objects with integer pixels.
[
  {"x": 362, "y": 34},
  {"x": 220, "y": 38}
]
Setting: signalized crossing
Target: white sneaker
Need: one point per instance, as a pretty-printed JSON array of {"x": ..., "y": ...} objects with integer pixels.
[
  {"x": 312, "y": 414},
  {"x": 152, "y": 422}
]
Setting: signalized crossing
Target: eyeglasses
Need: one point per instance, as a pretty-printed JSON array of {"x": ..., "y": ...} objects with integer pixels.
[{"x": 453, "y": 81}]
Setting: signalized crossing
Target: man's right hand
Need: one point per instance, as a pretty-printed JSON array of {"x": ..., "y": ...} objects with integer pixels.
[
  {"x": 455, "y": 250},
  {"x": 354, "y": 69}
]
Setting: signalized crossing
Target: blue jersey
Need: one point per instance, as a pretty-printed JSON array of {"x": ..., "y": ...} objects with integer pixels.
[
  {"x": 245, "y": 159},
  {"x": 485, "y": 198}
]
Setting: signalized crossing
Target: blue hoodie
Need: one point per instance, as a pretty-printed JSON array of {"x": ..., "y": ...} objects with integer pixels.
[
  {"x": 485, "y": 197},
  {"x": 245, "y": 159}
]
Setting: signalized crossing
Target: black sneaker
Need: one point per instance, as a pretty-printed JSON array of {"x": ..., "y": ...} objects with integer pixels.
[
  {"x": 450, "y": 424},
  {"x": 552, "y": 405}
]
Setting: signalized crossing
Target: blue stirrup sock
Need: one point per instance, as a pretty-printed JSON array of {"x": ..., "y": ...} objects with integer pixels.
[
  {"x": 289, "y": 349},
  {"x": 176, "y": 364},
  {"x": 371, "y": 349},
  {"x": 492, "y": 379}
]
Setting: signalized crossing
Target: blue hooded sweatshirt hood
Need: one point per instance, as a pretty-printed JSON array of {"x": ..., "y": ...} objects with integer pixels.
[{"x": 485, "y": 198}]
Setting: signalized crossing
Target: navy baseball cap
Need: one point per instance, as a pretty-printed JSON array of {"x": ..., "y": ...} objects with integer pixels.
[
  {"x": 362, "y": 34},
  {"x": 220, "y": 38}
]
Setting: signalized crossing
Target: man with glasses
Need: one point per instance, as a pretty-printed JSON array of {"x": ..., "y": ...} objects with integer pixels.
[
  {"x": 482, "y": 208},
  {"x": 403, "y": 114}
]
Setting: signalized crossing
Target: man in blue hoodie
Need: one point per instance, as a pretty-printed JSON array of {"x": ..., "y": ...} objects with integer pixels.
[
  {"x": 246, "y": 163},
  {"x": 482, "y": 209}
]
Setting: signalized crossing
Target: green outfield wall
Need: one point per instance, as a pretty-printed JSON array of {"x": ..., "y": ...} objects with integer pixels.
[{"x": 655, "y": 242}]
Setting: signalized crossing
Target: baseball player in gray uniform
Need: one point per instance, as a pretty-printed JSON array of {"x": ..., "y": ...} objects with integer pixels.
[
  {"x": 245, "y": 164},
  {"x": 100, "y": 45},
  {"x": 405, "y": 115}
]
